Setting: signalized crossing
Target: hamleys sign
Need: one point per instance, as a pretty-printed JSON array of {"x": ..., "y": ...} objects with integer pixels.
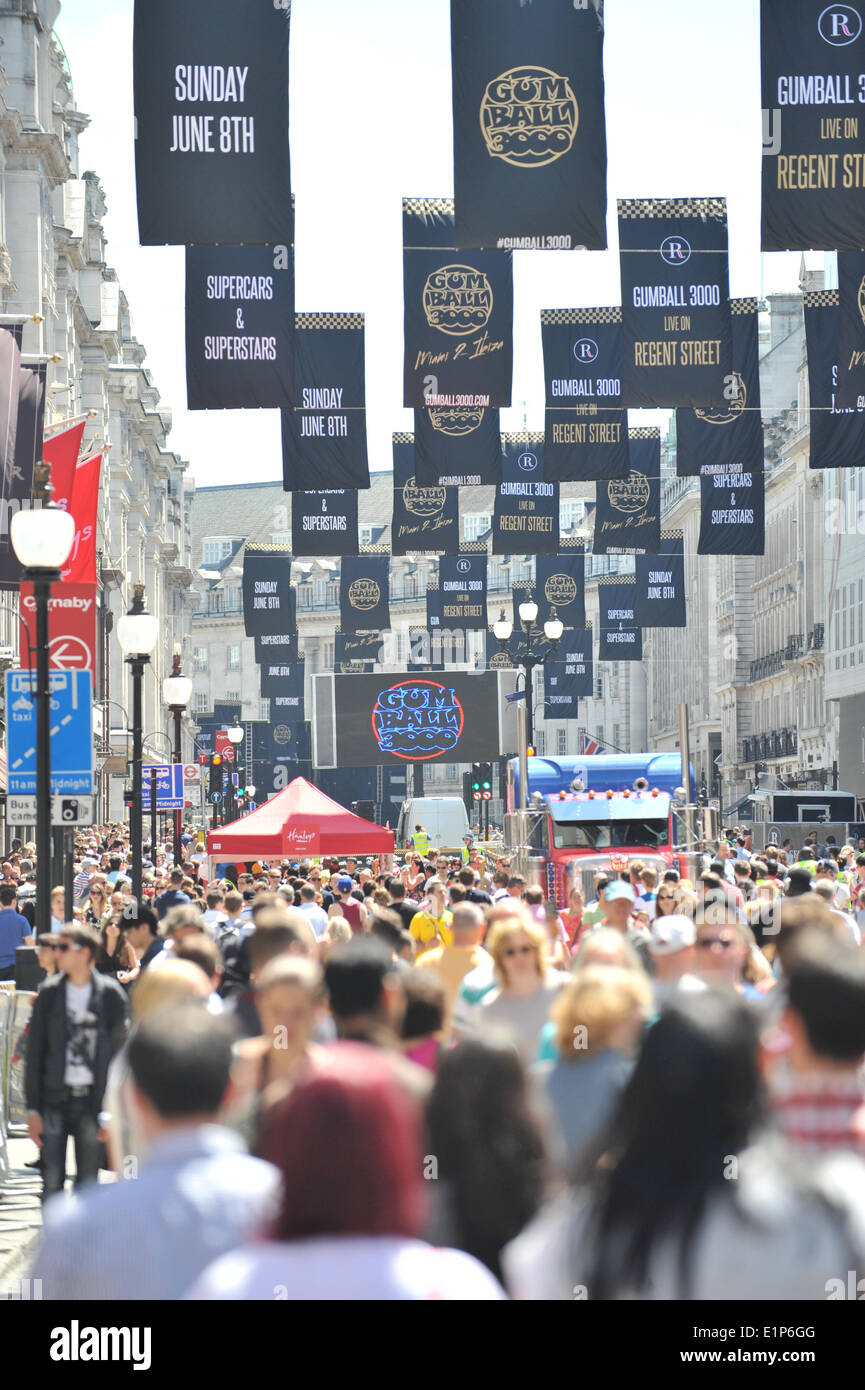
[{"x": 71, "y": 627}]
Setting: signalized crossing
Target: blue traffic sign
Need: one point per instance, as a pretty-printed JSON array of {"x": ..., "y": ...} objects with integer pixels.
[
  {"x": 215, "y": 797},
  {"x": 71, "y": 732},
  {"x": 169, "y": 787}
]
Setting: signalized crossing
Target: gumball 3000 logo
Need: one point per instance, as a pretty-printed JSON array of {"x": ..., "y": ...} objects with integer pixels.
[{"x": 417, "y": 719}]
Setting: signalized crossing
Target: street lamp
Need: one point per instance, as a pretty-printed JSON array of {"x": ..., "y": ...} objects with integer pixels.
[
  {"x": 42, "y": 540},
  {"x": 177, "y": 692},
  {"x": 535, "y": 655},
  {"x": 235, "y": 738},
  {"x": 137, "y": 632}
]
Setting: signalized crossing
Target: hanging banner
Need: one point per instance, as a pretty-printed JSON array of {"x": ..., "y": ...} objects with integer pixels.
[
  {"x": 425, "y": 649},
  {"x": 434, "y": 608},
  {"x": 463, "y": 590},
  {"x": 813, "y": 58},
  {"x": 850, "y": 387},
  {"x": 569, "y": 676},
  {"x": 10, "y": 387},
  {"x": 84, "y": 506},
  {"x": 210, "y": 85},
  {"x": 364, "y": 594},
  {"x": 586, "y": 426},
  {"x": 324, "y": 438},
  {"x": 425, "y": 519},
  {"x": 324, "y": 523},
  {"x": 732, "y": 511},
  {"x": 628, "y": 510},
  {"x": 279, "y": 646},
  {"x": 660, "y": 580},
  {"x": 530, "y": 145},
  {"x": 526, "y": 517},
  {"x": 269, "y": 601},
  {"x": 620, "y": 637},
  {"x": 18, "y": 478},
  {"x": 732, "y": 434},
  {"x": 239, "y": 326},
  {"x": 560, "y": 584},
  {"x": 837, "y": 434},
  {"x": 457, "y": 447},
  {"x": 676, "y": 335},
  {"x": 283, "y": 683},
  {"x": 289, "y": 740},
  {"x": 62, "y": 451},
  {"x": 356, "y": 651},
  {"x": 459, "y": 314}
]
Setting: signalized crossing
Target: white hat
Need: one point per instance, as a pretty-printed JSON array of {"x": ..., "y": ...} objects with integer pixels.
[{"x": 671, "y": 934}]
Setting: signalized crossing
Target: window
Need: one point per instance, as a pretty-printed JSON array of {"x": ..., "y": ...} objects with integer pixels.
[
  {"x": 304, "y": 595},
  {"x": 364, "y": 535},
  {"x": 201, "y": 703},
  {"x": 400, "y": 646},
  {"x": 562, "y": 742},
  {"x": 571, "y": 514},
  {"x": 280, "y": 538},
  {"x": 200, "y": 658},
  {"x": 539, "y": 744},
  {"x": 215, "y": 549},
  {"x": 450, "y": 772},
  {"x": 232, "y": 599},
  {"x": 475, "y": 526},
  {"x": 332, "y": 595},
  {"x": 409, "y": 586},
  {"x": 264, "y": 711},
  {"x": 215, "y": 598},
  {"x": 234, "y": 658},
  {"x": 232, "y": 697},
  {"x": 320, "y": 588}
]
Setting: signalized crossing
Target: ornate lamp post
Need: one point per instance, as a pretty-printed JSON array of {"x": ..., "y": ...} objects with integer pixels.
[{"x": 138, "y": 632}]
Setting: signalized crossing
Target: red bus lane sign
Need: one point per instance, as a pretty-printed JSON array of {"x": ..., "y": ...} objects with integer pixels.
[{"x": 71, "y": 627}]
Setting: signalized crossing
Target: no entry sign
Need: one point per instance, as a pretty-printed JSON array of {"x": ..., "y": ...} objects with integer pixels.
[{"x": 71, "y": 627}]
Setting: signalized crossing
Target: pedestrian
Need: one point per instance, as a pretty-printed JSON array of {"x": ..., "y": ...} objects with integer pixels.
[
  {"x": 173, "y": 895},
  {"x": 142, "y": 933},
  {"x": 431, "y": 924},
  {"x": 15, "y": 930},
  {"x": 347, "y": 905},
  {"x": 520, "y": 1004},
  {"x": 315, "y": 915}
]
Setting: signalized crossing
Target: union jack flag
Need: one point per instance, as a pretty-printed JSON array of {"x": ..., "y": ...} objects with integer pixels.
[{"x": 588, "y": 746}]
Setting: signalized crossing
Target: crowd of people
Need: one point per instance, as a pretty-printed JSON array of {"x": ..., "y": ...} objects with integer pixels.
[{"x": 344, "y": 1080}]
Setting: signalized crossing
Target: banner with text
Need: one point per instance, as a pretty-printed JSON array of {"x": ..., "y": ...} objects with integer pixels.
[
  {"x": 628, "y": 511},
  {"x": 732, "y": 510},
  {"x": 569, "y": 676},
  {"x": 457, "y": 447},
  {"x": 813, "y": 60},
  {"x": 324, "y": 437},
  {"x": 239, "y": 327},
  {"x": 279, "y": 646},
  {"x": 530, "y": 145},
  {"x": 463, "y": 590},
  {"x": 620, "y": 637},
  {"x": 211, "y": 132},
  {"x": 586, "y": 425},
  {"x": 285, "y": 684},
  {"x": 269, "y": 602},
  {"x": 425, "y": 519},
  {"x": 676, "y": 335},
  {"x": 459, "y": 314},
  {"x": 850, "y": 388},
  {"x": 661, "y": 584},
  {"x": 356, "y": 651},
  {"x": 364, "y": 594},
  {"x": 324, "y": 523},
  {"x": 80, "y": 567},
  {"x": 526, "y": 517},
  {"x": 560, "y": 584},
  {"x": 732, "y": 434},
  {"x": 837, "y": 433}
]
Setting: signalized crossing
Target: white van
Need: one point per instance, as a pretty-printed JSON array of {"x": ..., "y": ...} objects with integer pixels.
[{"x": 443, "y": 818}]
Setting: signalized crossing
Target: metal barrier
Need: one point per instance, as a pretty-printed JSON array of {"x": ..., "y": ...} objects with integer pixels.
[
  {"x": 17, "y": 1101},
  {"x": 7, "y": 1014}
]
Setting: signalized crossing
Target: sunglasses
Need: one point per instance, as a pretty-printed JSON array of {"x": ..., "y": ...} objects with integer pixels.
[
  {"x": 67, "y": 946},
  {"x": 723, "y": 941},
  {"x": 666, "y": 898},
  {"x": 519, "y": 951}
]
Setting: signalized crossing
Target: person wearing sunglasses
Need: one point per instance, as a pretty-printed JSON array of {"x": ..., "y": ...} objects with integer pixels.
[
  {"x": 520, "y": 1006},
  {"x": 665, "y": 903},
  {"x": 724, "y": 947}
]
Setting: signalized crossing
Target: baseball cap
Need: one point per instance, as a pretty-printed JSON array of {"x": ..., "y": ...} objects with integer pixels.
[
  {"x": 345, "y": 883},
  {"x": 619, "y": 889},
  {"x": 671, "y": 934}
]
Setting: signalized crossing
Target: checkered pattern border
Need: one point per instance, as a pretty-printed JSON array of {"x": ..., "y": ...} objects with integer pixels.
[
  {"x": 425, "y": 207},
  {"x": 433, "y": 584},
  {"x": 264, "y": 548},
  {"x": 714, "y": 209},
  {"x": 645, "y": 432},
  {"x": 351, "y": 321},
  {"x": 822, "y": 299},
  {"x": 474, "y": 547},
  {"x": 616, "y": 579},
  {"x": 672, "y": 535},
  {"x": 378, "y": 549},
  {"x": 401, "y": 437},
  {"x": 743, "y": 306},
  {"x": 556, "y": 316},
  {"x": 523, "y": 437},
  {"x": 571, "y": 543}
]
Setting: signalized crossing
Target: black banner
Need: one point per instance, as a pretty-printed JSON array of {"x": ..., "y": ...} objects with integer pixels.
[
  {"x": 586, "y": 425},
  {"x": 324, "y": 438},
  {"x": 463, "y": 591},
  {"x": 732, "y": 511},
  {"x": 732, "y": 434},
  {"x": 425, "y": 519},
  {"x": 17, "y": 477},
  {"x": 284, "y": 685},
  {"x": 530, "y": 144},
  {"x": 850, "y": 388},
  {"x": 10, "y": 388},
  {"x": 526, "y": 517},
  {"x": 457, "y": 447},
  {"x": 239, "y": 326},
  {"x": 289, "y": 739},
  {"x": 279, "y": 646},
  {"x": 813, "y": 59},
  {"x": 356, "y": 651},
  {"x": 459, "y": 314},
  {"x": 425, "y": 646},
  {"x": 837, "y": 434},
  {"x": 661, "y": 584},
  {"x": 560, "y": 584},
  {"x": 324, "y": 523},
  {"x": 569, "y": 677},
  {"x": 620, "y": 637},
  {"x": 628, "y": 511},
  {"x": 364, "y": 594},
  {"x": 269, "y": 602},
  {"x": 676, "y": 335},
  {"x": 211, "y": 122}
]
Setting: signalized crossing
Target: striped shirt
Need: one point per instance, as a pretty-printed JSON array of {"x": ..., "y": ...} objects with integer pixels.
[{"x": 820, "y": 1112}]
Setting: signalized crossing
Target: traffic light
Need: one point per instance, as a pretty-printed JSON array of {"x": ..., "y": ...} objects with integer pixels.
[
  {"x": 214, "y": 779},
  {"x": 476, "y": 781},
  {"x": 486, "y": 781}
]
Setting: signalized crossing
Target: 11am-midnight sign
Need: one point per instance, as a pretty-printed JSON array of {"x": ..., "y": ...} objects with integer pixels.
[
  {"x": 396, "y": 718},
  {"x": 211, "y": 122}
]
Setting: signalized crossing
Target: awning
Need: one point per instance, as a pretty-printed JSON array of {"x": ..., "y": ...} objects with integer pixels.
[{"x": 295, "y": 823}]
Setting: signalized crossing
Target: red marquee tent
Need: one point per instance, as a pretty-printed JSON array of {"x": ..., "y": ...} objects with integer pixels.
[{"x": 295, "y": 823}]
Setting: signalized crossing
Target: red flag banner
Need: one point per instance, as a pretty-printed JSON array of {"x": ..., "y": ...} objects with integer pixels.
[
  {"x": 84, "y": 506},
  {"x": 61, "y": 451},
  {"x": 71, "y": 627}
]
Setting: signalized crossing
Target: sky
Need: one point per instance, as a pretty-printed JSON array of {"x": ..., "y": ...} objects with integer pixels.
[{"x": 370, "y": 113}]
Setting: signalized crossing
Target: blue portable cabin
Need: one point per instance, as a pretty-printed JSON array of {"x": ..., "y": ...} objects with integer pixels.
[{"x": 600, "y": 772}]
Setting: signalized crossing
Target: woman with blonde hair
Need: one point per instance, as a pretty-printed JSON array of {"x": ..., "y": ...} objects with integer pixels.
[
  {"x": 526, "y": 986},
  {"x": 685, "y": 901}
]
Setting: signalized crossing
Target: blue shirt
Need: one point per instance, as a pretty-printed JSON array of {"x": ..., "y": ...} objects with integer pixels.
[{"x": 13, "y": 930}]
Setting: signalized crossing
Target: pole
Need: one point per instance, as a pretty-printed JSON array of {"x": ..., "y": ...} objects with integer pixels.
[
  {"x": 68, "y": 873},
  {"x": 136, "y": 811},
  {"x": 154, "y": 826},
  {"x": 685, "y": 751},
  {"x": 178, "y": 758},
  {"x": 42, "y": 593},
  {"x": 522, "y": 745},
  {"x": 530, "y": 692}
]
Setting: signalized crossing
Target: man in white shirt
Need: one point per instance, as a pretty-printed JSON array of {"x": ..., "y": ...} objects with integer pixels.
[
  {"x": 309, "y": 907},
  {"x": 215, "y": 917}
]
